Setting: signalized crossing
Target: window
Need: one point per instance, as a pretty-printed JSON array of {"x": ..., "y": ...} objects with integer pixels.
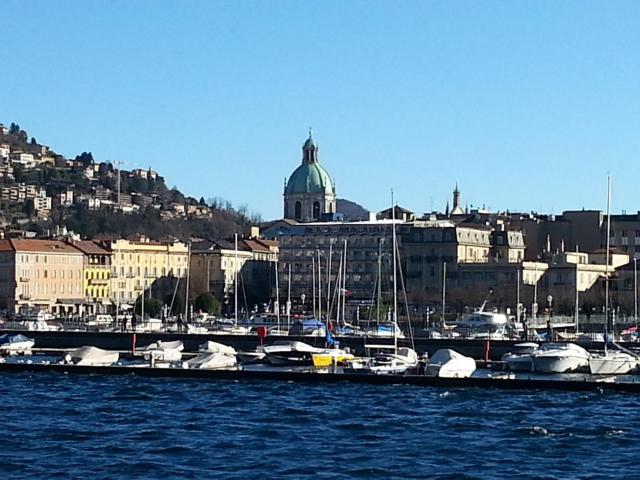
[
  {"x": 298, "y": 211},
  {"x": 316, "y": 210}
]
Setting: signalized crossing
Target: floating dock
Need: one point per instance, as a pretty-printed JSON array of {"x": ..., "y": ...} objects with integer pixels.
[{"x": 497, "y": 382}]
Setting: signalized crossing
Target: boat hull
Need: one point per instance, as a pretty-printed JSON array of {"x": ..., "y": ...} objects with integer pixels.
[
  {"x": 611, "y": 366},
  {"x": 558, "y": 364}
]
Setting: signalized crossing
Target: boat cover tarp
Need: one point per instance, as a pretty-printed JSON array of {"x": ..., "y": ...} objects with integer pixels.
[
  {"x": 305, "y": 327},
  {"x": 9, "y": 338}
]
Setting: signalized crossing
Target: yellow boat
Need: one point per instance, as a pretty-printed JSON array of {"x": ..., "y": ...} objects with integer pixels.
[{"x": 329, "y": 357}]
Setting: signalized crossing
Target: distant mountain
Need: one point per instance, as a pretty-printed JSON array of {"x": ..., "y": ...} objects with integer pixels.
[{"x": 351, "y": 210}]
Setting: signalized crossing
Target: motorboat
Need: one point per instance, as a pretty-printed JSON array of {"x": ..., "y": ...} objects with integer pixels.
[
  {"x": 447, "y": 363},
  {"x": 285, "y": 352},
  {"x": 164, "y": 351},
  {"x": 560, "y": 358},
  {"x": 521, "y": 360},
  {"x": 15, "y": 344},
  {"x": 91, "y": 356},
  {"x": 612, "y": 362},
  {"x": 331, "y": 356},
  {"x": 396, "y": 362}
]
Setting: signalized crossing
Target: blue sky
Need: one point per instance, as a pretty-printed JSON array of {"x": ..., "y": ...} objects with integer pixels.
[{"x": 527, "y": 105}]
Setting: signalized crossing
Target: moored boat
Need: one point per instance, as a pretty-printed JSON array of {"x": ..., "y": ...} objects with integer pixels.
[
  {"x": 330, "y": 357},
  {"x": 15, "y": 344},
  {"x": 560, "y": 358},
  {"x": 612, "y": 362},
  {"x": 285, "y": 352},
  {"x": 91, "y": 356},
  {"x": 447, "y": 363},
  {"x": 521, "y": 359}
]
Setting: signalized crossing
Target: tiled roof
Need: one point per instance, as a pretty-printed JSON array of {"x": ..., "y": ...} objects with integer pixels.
[{"x": 49, "y": 246}]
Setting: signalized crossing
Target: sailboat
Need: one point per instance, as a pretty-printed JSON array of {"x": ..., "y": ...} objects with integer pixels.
[
  {"x": 612, "y": 362},
  {"x": 397, "y": 360}
]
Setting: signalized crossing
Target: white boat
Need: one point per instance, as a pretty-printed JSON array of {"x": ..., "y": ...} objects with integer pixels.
[
  {"x": 447, "y": 363},
  {"x": 15, "y": 344},
  {"x": 215, "y": 347},
  {"x": 212, "y": 360},
  {"x": 164, "y": 351},
  {"x": 92, "y": 356},
  {"x": 254, "y": 356},
  {"x": 612, "y": 362},
  {"x": 394, "y": 363},
  {"x": 521, "y": 360},
  {"x": 286, "y": 352},
  {"x": 560, "y": 358}
]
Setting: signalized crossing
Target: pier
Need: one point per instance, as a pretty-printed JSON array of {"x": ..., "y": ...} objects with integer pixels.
[{"x": 506, "y": 383}]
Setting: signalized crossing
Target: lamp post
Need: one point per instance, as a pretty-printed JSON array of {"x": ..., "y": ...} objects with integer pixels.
[{"x": 302, "y": 299}]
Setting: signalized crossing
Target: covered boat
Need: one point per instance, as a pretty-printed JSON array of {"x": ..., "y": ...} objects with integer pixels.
[
  {"x": 331, "y": 356},
  {"x": 560, "y": 358},
  {"x": 92, "y": 356},
  {"x": 164, "y": 351},
  {"x": 311, "y": 327},
  {"x": 212, "y": 360},
  {"x": 215, "y": 347},
  {"x": 14, "y": 344},
  {"x": 285, "y": 352},
  {"x": 447, "y": 363}
]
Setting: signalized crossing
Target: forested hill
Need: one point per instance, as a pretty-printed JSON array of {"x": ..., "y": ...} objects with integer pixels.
[{"x": 43, "y": 191}]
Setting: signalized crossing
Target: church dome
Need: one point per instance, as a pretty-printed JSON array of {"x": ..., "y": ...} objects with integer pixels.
[{"x": 310, "y": 178}]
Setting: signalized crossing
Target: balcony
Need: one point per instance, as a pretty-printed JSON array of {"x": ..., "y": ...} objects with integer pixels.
[
  {"x": 24, "y": 279},
  {"x": 98, "y": 281}
]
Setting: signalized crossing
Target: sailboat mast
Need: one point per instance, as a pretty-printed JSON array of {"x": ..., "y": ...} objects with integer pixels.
[
  {"x": 395, "y": 275},
  {"x": 186, "y": 295},
  {"x": 344, "y": 285},
  {"x": 329, "y": 281},
  {"x": 606, "y": 268},
  {"x": 379, "y": 280},
  {"x": 313, "y": 284},
  {"x": 289, "y": 300},
  {"x": 277, "y": 295},
  {"x": 319, "y": 288},
  {"x": 577, "y": 294},
  {"x": 235, "y": 280}
]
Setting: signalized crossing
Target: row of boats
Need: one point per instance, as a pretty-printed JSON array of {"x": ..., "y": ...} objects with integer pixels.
[
  {"x": 569, "y": 357},
  {"x": 526, "y": 357}
]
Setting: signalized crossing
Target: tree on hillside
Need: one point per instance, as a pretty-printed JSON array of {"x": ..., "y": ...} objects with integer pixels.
[
  {"x": 33, "y": 141},
  {"x": 86, "y": 158},
  {"x": 14, "y": 128}
]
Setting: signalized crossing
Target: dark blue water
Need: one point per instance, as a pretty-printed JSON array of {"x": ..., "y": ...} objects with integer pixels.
[{"x": 61, "y": 426}]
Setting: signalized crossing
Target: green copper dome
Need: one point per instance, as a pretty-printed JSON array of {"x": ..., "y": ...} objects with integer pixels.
[{"x": 310, "y": 178}]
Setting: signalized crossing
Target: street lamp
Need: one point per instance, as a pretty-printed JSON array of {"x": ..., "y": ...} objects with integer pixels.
[{"x": 302, "y": 299}]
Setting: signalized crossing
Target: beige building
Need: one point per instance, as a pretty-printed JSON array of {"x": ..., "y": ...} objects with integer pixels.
[
  {"x": 143, "y": 265},
  {"x": 214, "y": 266},
  {"x": 41, "y": 274}
]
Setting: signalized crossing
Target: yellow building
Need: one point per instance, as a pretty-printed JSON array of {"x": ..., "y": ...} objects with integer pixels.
[
  {"x": 142, "y": 265},
  {"x": 96, "y": 275}
]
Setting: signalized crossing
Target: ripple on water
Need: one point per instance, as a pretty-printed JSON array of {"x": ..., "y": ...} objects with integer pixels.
[{"x": 65, "y": 426}]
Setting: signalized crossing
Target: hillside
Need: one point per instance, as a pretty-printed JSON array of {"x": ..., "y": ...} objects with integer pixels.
[{"x": 42, "y": 191}]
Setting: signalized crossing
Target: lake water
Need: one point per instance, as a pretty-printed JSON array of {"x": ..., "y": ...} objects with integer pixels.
[{"x": 67, "y": 426}]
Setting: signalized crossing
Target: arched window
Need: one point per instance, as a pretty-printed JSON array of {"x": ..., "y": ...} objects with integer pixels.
[
  {"x": 316, "y": 210},
  {"x": 286, "y": 209},
  {"x": 298, "y": 212}
]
